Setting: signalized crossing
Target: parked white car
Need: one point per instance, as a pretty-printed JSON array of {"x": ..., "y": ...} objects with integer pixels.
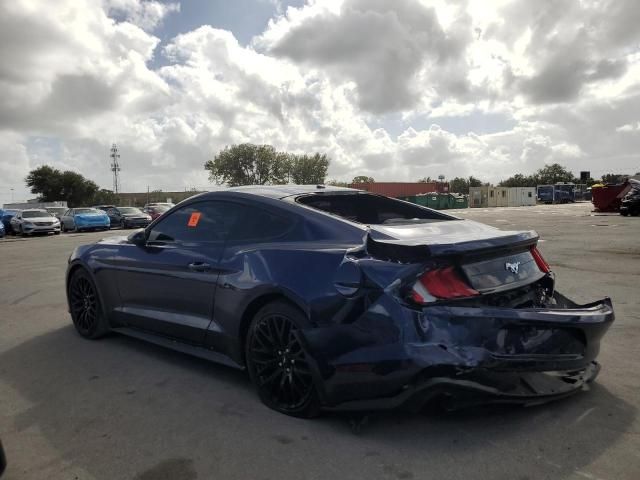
[{"x": 28, "y": 222}]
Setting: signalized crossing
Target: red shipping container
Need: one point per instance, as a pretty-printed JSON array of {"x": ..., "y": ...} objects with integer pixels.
[
  {"x": 609, "y": 198},
  {"x": 402, "y": 189}
]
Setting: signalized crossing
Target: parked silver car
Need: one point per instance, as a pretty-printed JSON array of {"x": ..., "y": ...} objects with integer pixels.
[{"x": 27, "y": 222}]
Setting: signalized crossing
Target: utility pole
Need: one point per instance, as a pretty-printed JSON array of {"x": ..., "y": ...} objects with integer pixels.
[{"x": 115, "y": 168}]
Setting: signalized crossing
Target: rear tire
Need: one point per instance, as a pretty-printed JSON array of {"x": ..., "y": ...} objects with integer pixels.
[
  {"x": 85, "y": 306},
  {"x": 277, "y": 363}
]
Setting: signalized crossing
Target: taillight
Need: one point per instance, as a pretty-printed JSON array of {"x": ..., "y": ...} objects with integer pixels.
[
  {"x": 441, "y": 283},
  {"x": 540, "y": 261}
]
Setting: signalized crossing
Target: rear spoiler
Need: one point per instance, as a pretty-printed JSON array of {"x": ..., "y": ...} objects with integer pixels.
[{"x": 411, "y": 251}]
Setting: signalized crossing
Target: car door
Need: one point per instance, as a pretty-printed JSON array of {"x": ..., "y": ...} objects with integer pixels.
[
  {"x": 67, "y": 219},
  {"x": 167, "y": 285},
  {"x": 16, "y": 221},
  {"x": 114, "y": 216}
]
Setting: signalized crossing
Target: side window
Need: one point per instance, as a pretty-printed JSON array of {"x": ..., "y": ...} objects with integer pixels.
[
  {"x": 529, "y": 194},
  {"x": 491, "y": 193},
  {"x": 199, "y": 222},
  {"x": 259, "y": 225},
  {"x": 67, "y": 213}
]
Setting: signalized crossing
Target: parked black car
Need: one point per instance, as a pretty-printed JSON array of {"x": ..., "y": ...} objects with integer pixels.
[
  {"x": 631, "y": 202},
  {"x": 339, "y": 299},
  {"x": 125, "y": 217}
]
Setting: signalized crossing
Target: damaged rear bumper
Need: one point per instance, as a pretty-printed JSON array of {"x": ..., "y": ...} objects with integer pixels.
[{"x": 396, "y": 356}]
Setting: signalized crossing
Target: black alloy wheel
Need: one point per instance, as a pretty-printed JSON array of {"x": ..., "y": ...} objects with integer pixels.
[
  {"x": 84, "y": 303},
  {"x": 277, "y": 363}
]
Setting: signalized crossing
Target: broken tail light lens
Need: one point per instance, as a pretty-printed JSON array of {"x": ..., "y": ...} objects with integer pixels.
[
  {"x": 540, "y": 261},
  {"x": 439, "y": 284}
]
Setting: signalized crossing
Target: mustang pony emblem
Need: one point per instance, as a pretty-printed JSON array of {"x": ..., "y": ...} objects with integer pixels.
[{"x": 512, "y": 267}]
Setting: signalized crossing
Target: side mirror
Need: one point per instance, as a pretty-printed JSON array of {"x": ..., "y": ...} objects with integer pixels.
[{"x": 138, "y": 238}]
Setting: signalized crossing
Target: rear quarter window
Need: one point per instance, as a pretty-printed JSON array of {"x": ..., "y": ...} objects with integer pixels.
[
  {"x": 371, "y": 209},
  {"x": 259, "y": 225}
]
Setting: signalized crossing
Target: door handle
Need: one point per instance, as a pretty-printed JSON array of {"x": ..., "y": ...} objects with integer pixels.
[{"x": 199, "y": 267}]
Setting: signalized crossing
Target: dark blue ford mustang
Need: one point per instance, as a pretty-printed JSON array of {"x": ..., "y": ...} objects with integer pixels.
[{"x": 338, "y": 299}]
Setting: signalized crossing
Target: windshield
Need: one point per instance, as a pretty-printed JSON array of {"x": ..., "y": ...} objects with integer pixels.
[
  {"x": 55, "y": 210},
  {"x": 35, "y": 214},
  {"x": 159, "y": 208},
  {"x": 372, "y": 209},
  {"x": 87, "y": 210},
  {"x": 129, "y": 210}
]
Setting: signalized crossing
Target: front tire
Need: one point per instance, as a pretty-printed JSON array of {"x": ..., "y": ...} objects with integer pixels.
[
  {"x": 85, "y": 306},
  {"x": 277, "y": 363}
]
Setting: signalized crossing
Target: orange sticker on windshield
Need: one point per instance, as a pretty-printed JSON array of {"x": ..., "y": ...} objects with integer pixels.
[{"x": 194, "y": 219}]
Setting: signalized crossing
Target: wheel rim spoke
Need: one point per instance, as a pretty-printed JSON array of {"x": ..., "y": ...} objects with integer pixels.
[
  {"x": 279, "y": 363},
  {"x": 84, "y": 305}
]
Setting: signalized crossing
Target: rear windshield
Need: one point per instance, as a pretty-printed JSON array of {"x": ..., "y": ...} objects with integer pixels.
[
  {"x": 372, "y": 209},
  {"x": 35, "y": 214},
  {"x": 128, "y": 210},
  {"x": 159, "y": 208},
  {"x": 87, "y": 210}
]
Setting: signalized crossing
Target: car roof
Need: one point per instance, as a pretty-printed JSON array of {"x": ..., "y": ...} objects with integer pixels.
[{"x": 282, "y": 191}]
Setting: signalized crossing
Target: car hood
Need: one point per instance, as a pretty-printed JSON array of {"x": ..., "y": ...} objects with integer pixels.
[
  {"x": 39, "y": 219},
  {"x": 450, "y": 237}
]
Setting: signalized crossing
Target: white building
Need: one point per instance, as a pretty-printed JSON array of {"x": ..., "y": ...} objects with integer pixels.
[{"x": 489, "y": 196}]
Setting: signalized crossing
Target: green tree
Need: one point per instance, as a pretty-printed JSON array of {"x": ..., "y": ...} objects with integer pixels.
[
  {"x": 614, "y": 178},
  {"x": 425, "y": 180},
  {"x": 337, "y": 183},
  {"x": 519, "y": 180},
  {"x": 554, "y": 173},
  {"x": 46, "y": 182},
  {"x": 249, "y": 164},
  {"x": 50, "y": 184},
  {"x": 104, "y": 197},
  {"x": 474, "y": 182},
  {"x": 363, "y": 179},
  {"x": 309, "y": 169},
  {"x": 461, "y": 185},
  {"x": 244, "y": 164}
]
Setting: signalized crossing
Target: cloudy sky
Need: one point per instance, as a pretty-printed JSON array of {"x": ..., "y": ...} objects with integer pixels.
[{"x": 393, "y": 89}]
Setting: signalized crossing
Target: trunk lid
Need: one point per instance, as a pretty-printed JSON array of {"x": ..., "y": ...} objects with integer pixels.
[
  {"x": 449, "y": 237},
  {"x": 491, "y": 259}
]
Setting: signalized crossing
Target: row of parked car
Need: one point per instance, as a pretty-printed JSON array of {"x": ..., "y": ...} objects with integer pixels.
[{"x": 57, "y": 219}]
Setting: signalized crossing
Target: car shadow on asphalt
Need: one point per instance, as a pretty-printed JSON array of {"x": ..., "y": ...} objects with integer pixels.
[{"x": 90, "y": 398}]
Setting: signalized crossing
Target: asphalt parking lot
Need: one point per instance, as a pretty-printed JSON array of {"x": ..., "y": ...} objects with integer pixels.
[{"x": 118, "y": 408}]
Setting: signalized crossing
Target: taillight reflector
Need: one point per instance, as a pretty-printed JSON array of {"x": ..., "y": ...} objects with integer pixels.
[
  {"x": 540, "y": 261},
  {"x": 441, "y": 283}
]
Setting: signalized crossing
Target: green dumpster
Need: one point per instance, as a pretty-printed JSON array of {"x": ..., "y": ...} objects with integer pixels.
[
  {"x": 421, "y": 200},
  {"x": 410, "y": 198},
  {"x": 460, "y": 201},
  {"x": 432, "y": 200},
  {"x": 444, "y": 201}
]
